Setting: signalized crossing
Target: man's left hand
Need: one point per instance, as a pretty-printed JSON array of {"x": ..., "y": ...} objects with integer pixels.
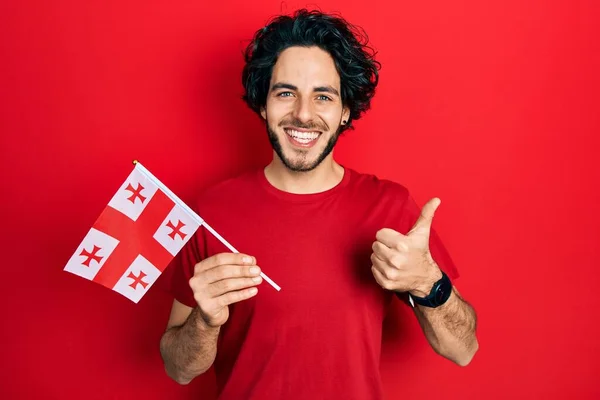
[{"x": 403, "y": 263}]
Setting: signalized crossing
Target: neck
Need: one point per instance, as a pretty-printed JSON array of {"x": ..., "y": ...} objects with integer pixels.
[{"x": 324, "y": 177}]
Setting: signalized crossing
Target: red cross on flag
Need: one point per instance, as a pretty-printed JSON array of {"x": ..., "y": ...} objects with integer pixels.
[{"x": 136, "y": 236}]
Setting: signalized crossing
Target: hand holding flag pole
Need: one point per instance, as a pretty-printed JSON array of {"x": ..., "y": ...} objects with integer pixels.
[{"x": 137, "y": 235}]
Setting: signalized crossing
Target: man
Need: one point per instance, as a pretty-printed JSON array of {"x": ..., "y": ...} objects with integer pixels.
[{"x": 341, "y": 244}]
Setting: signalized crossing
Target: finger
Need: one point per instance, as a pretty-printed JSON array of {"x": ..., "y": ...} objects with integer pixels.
[
  {"x": 231, "y": 285},
  {"x": 400, "y": 247},
  {"x": 381, "y": 280},
  {"x": 235, "y": 297},
  {"x": 228, "y": 271},
  {"x": 385, "y": 269},
  {"x": 224, "y": 259},
  {"x": 388, "y": 237},
  {"x": 382, "y": 251},
  {"x": 376, "y": 260},
  {"x": 427, "y": 213}
]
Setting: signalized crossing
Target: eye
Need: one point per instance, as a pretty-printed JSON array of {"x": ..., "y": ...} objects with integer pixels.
[
  {"x": 323, "y": 97},
  {"x": 284, "y": 94}
]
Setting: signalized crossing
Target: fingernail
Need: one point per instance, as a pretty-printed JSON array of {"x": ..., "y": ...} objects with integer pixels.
[
  {"x": 247, "y": 260},
  {"x": 254, "y": 270},
  {"x": 253, "y": 290},
  {"x": 257, "y": 279}
]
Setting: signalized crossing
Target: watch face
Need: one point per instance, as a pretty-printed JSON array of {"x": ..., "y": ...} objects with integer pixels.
[
  {"x": 442, "y": 291},
  {"x": 440, "y": 294}
]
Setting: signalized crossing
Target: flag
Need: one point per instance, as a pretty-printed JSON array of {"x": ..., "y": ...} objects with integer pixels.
[{"x": 140, "y": 231}]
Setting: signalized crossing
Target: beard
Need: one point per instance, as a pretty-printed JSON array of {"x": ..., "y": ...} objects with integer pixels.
[{"x": 301, "y": 163}]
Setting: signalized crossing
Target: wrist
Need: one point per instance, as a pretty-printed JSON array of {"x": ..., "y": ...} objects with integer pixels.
[
  {"x": 200, "y": 323},
  {"x": 424, "y": 287}
]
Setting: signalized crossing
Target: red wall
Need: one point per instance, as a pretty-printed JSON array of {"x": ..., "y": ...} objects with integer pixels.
[{"x": 492, "y": 106}]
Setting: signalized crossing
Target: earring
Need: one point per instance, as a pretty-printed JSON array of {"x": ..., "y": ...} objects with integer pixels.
[{"x": 344, "y": 122}]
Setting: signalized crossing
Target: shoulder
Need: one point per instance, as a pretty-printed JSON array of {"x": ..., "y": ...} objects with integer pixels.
[
  {"x": 388, "y": 202},
  {"x": 380, "y": 188}
]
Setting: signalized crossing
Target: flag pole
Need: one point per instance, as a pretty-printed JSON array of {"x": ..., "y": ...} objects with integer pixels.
[{"x": 195, "y": 216}]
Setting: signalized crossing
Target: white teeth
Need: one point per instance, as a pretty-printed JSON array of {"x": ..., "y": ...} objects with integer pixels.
[{"x": 304, "y": 137}]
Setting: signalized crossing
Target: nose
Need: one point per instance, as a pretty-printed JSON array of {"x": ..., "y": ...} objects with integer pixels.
[{"x": 303, "y": 110}]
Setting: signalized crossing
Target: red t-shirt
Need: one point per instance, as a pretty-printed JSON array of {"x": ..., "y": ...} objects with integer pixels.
[{"x": 320, "y": 336}]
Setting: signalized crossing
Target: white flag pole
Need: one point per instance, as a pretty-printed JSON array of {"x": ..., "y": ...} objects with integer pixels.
[{"x": 195, "y": 216}]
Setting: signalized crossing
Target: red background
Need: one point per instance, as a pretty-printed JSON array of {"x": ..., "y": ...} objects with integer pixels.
[{"x": 492, "y": 106}]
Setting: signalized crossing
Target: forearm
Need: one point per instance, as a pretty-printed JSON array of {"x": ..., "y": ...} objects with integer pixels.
[
  {"x": 190, "y": 349},
  {"x": 450, "y": 328}
]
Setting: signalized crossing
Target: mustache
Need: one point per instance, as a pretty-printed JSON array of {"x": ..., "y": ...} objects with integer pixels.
[{"x": 296, "y": 123}]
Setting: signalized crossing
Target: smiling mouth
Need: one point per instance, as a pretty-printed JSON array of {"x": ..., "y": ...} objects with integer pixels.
[{"x": 302, "y": 137}]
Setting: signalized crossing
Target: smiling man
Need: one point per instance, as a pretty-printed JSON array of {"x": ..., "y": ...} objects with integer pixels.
[
  {"x": 315, "y": 90},
  {"x": 341, "y": 244}
]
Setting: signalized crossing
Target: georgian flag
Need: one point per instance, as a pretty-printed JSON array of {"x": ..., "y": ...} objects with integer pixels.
[{"x": 140, "y": 231}]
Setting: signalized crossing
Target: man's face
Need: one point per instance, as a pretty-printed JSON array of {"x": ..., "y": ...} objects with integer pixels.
[{"x": 304, "y": 109}]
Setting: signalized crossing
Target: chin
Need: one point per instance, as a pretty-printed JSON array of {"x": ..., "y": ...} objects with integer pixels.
[
  {"x": 300, "y": 159},
  {"x": 299, "y": 165}
]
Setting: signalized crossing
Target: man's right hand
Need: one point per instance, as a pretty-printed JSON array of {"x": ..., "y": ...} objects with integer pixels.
[{"x": 221, "y": 280}]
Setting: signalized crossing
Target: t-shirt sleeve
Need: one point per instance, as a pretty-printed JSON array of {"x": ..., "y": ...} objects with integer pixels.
[
  {"x": 410, "y": 214},
  {"x": 183, "y": 265}
]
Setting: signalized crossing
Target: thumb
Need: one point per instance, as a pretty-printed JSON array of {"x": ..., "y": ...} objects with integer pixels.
[{"x": 426, "y": 217}]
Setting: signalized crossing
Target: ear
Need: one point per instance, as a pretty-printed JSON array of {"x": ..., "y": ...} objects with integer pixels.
[
  {"x": 345, "y": 115},
  {"x": 263, "y": 112}
]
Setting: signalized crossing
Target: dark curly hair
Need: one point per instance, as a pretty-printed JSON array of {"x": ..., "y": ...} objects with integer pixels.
[{"x": 346, "y": 43}]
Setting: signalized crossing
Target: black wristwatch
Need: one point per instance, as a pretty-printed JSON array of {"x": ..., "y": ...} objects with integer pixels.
[{"x": 440, "y": 293}]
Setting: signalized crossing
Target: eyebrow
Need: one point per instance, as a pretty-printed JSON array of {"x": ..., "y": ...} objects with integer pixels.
[{"x": 326, "y": 89}]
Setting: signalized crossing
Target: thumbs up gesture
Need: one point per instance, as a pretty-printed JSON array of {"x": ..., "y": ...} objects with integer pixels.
[{"x": 403, "y": 263}]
